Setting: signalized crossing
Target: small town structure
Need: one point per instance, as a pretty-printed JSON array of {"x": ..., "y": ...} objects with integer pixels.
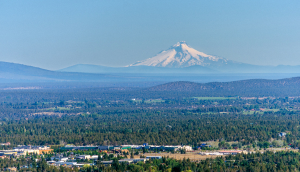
[
  {"x": 282, "y": 134},
  {"x": 153, "y": 157},
  {"x": 24, "y": 150},
  {"x": 234, "y": 152},
  {"x": 125, "y": 148},
  {"x": 225, "y": 152}
]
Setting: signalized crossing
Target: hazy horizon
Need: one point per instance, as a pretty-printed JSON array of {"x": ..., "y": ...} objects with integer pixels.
[{"x": 57, "y": 34}]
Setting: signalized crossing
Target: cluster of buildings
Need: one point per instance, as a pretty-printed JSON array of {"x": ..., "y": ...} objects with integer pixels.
[
  {"x": 229, "y": 152},
  {"x": 71, "y": 161},
  {"x": 130, "y": 161},
  {"x": 126, "y": 147},
  {"x": 81, "y": 160},
  {"x": 204, "y": 145},
  {"x": 25, "y": 150}
]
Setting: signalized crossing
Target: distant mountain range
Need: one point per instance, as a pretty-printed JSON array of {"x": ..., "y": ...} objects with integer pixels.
[
  {"x": 178, "y": 63},
  {"x": 18, "y": 73},
  {"x": 181, "y": 58}
]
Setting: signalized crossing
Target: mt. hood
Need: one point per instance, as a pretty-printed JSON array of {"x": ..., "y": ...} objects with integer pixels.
[
  {"x": 181, "y": 55},
  {"x": 181, "y": 58}
]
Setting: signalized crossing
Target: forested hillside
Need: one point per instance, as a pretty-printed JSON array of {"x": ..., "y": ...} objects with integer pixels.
[{"x": 253, "y": 87}]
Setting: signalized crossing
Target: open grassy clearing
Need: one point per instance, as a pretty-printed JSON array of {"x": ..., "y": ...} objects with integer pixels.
[
  {"x": 149, "y": 101},
  {"x": 214, "y": 98},
  {"x": 252, "y": 112},
  {"x": 195, "y": 156},
  {"x": 154, "y": 101},
  {"x": 58, "y": 108},
  {"x": 273, "y": 110}
]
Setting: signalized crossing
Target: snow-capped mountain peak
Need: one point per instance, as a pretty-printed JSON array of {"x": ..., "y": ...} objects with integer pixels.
[{"x": 180, "y": 55}]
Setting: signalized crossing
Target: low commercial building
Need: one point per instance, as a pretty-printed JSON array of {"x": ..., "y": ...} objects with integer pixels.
[
  {"x": 33, "y": 149},
  {"x": 158, "y": 148},
  {"x": 83, "y": 157},
  {"x": 153, "y": 157},
  {"x": 106, "y": 163},
  {"x": 104, "y": 147},
  {"x": 64, "y": 159},
  {"x": 139, "y": 160},
  {"x": 72, "y": 147},
  {"x": 282, "y": 134},
  {"x": 94, "y": 157},
  {"x": 127, "y": 161},
  {"x": 45, "y": 151},
  {"x": 231, "y": 152},
  {"x": 65, "y": 164},
  {"x": 87, "y": 147},
  {"x": 187, "y": 148},
  {"x": 170, "y": 148},
  {"x": 24, "y": 147},
  {"x": 210, "y": 153},
  {"x": 8, "y": 153},
  {"x": 227, "y": 152}
]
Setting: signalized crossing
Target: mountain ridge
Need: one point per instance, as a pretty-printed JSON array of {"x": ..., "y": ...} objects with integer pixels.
[{"x": 249, "y": 87}]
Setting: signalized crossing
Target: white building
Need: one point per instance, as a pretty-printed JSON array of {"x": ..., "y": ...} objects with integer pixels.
[
  {"x": 94, "y": 157},
  {"x": 84, "y": 157},
  {"x": 187, "y": 148}
]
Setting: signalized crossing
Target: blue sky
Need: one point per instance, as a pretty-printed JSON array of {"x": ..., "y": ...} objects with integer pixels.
[{"x": 56, "y": 34}]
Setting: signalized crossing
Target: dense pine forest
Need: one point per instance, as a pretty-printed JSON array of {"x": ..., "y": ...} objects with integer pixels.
[
  {"x": 103, "y": 116},
  {"x": 115, "y": 116},
  {"x": 153, "y": 127}
]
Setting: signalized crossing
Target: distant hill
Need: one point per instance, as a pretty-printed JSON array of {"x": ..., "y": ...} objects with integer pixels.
[
  {"x": 252, "y": 87},
  {"x": 12, "y": 72}
]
